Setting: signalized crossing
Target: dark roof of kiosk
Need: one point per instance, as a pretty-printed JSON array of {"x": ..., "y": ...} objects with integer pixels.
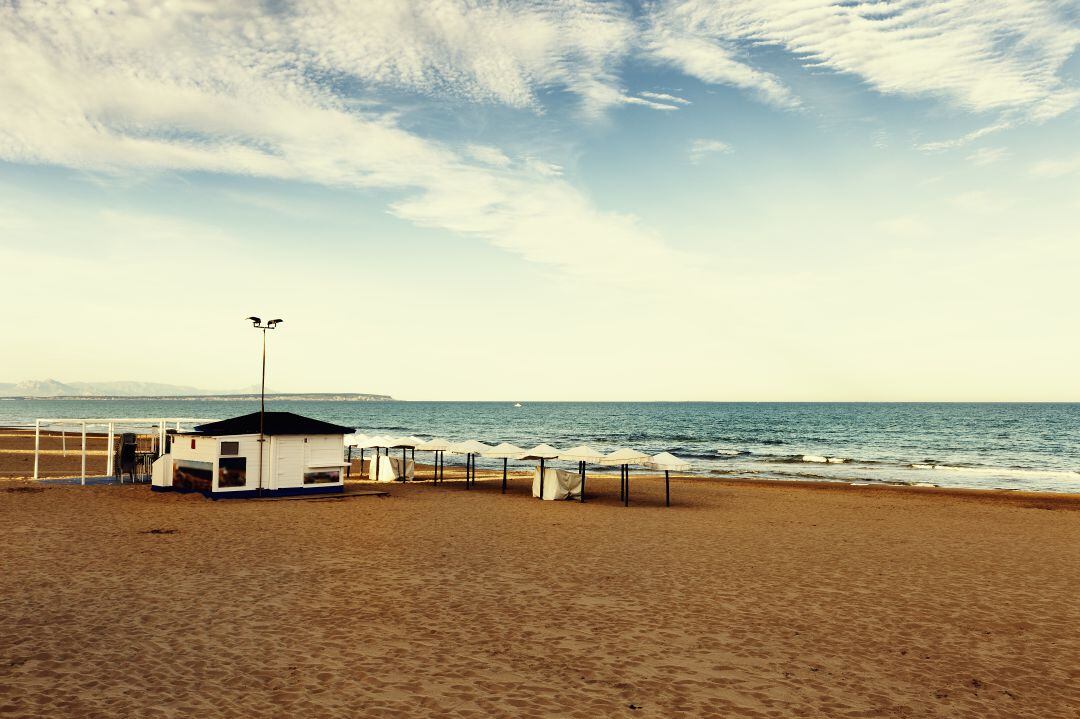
[{"x": 274, "y": 423}]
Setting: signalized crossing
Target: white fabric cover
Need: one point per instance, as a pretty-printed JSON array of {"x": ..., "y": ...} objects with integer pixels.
[
  {"x": 390, "y": 469},
  {"x": 161, "y": 473},
  {"x": 558, "y": 484}
]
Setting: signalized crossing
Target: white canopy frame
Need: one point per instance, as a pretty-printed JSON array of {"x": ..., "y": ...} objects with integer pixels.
[
  {"x": 161, "y": 423},
  {"x": 471, "y": 448},
  {"x": 504, "y": 451},
  {"x": 669, "y": 463},
  {"x": 541, "y": 453},
  {"x": 623, "y": 458},
  {"x": 582, "y": 454}
]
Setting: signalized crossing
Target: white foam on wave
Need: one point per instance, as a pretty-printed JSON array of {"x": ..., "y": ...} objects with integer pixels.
[
  {"x": 821, "y": 459},
  {"x": 1002, "y": 471},
  {"x": 729, "y": 452}
]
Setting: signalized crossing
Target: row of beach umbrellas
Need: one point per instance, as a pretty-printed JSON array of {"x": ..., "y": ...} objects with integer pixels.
[{"x": 582, "y": 455}]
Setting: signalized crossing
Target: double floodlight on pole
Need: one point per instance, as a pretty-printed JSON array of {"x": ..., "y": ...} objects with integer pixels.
[{"x": 270, "y": 325}]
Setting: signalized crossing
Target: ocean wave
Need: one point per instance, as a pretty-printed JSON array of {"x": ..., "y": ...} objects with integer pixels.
[
  {"x": 1001, "y": 471},
  {"x": 822, "y": 459}
]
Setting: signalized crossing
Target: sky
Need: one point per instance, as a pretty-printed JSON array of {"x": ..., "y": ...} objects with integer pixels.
[{"x": 668, "y": 200}]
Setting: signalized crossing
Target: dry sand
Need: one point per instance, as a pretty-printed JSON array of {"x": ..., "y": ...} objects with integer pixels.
[{"x": 744, "y": 599}]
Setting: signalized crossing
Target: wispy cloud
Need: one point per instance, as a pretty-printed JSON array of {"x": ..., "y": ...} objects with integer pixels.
[
  {"x": 977, "y": 55},
  {"x": 683, "y": 38},
  {"x": 702, "y": 148},
  {"x": 231, "y": 89},
  {"x": 1053, "y": 168},
  {"x": 665, "y": 97},
  {"x": 987, "y": 156},
  {"x": 651, "y": 104}
]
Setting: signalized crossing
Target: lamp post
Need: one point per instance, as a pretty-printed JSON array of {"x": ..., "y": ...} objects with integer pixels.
[{"x": 270, "y": 325}]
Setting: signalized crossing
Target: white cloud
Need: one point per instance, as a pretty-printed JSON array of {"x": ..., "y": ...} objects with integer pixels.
[
  {"x": 1056, "y": 168},
  {"x": 488, "y": 155},
  {"x": 987, "y": 156},
  {"x": 482, "y": 51},
  {"x": 1004, "y": 55},
  {"x": 652, "y": 105},
  {"x": 702, "y": 148},
  {"x": 230, "y": 89},
  {"x": 967, "y": 138},
  {"x": 679, "y": 39},
  {"x": 665, "y": 97}
]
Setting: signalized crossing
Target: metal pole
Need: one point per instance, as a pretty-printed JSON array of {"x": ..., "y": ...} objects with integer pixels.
[
  {"x": 110, "y": 462},
  {"x": 541, "y": 479},
  {"x": 504, "y": 475},
  {"x": 361, "y": 463},
  {"x": 262, "y": 412},
  {"x": 404, "y": 467},
  {"x": 667, "y": 489},
  {"x": 82, "y": 475},
  {"x": 37, "y": 444},
  {"x": 581, "y": 466},
  {"x": 626, "y": 500}
]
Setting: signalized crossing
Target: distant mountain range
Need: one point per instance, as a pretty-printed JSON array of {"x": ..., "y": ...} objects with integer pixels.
[{"x": 41, "y": 388}]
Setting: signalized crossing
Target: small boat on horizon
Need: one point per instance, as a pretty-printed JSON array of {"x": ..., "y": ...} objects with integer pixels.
[{"x": 517, "y": 404}]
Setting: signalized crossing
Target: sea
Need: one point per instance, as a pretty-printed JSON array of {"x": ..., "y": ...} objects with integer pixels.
[{"x": 1011, "y": 446}]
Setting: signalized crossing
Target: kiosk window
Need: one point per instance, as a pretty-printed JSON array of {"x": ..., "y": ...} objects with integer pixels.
[{"x": 232, "y": 472}]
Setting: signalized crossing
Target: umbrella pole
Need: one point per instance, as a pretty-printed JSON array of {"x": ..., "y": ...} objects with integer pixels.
[
  {"x": 404, "y": 467},
  {"x": 626, "y": 500},
  {"x": 361, "y": 463},
  {"x": 504, "y": 475},
  {"x": 376, "y": 460},
  {"x": 541, "y": 479},
  {"x": 667, "y": 489},
  {"x": 581, "y": 467}
]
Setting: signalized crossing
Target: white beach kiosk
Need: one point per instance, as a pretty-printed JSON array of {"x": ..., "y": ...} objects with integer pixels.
[{"x": 300, "y": 455}]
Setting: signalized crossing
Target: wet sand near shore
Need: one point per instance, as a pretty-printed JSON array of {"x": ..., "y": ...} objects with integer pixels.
[{"x": 743, "y": 599}]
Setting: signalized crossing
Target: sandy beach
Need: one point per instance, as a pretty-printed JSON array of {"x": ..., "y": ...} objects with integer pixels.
[{"x": 744, "y": 599}]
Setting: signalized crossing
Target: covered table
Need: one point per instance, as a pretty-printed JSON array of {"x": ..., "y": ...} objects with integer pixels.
[{"x": 557, "y": 484}]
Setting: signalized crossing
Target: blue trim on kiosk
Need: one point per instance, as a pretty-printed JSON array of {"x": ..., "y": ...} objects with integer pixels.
[{"x": 254, "y": 493}]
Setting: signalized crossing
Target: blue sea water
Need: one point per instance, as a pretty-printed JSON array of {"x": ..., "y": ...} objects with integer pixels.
[{"x": 1012, "y": 446}]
